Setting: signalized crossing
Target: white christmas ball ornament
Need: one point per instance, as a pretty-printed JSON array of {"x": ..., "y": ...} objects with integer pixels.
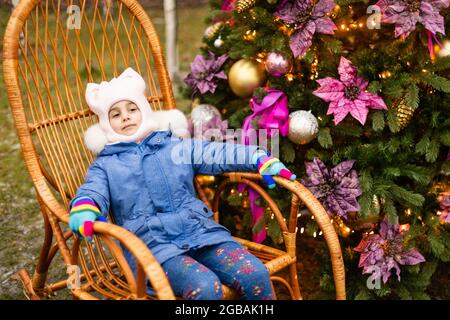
[
  {"x": 303, "y": 127},
  {"x": 218, "y": 42}
]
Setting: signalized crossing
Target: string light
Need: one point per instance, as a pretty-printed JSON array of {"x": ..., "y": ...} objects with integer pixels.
[
  {"x": 404, "y": 227},
  {"x": 314, "y": 67},
  {"x": 408, "y": 212},
  {"x": 353, "y": 25},
  {"x": 314, "y": 234},
  {"x": 261, "y": 57},
  {"x": 385, "y": 74},
  {"x": 250, "y": 35},
  {"x": 289, "y": 76},
  {"x": 302, "y": 230}
]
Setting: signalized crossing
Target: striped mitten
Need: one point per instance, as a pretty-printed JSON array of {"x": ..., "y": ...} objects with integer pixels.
[
  {"x": 269, "y": 166},
  {"x": 82, "y": 216}
]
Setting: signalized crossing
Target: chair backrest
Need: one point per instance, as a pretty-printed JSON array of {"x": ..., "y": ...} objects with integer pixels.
[{"x": 52, "y": 49}]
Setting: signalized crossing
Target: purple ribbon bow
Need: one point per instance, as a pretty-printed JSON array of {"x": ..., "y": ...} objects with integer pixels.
[{"x": 273, "y": 112}]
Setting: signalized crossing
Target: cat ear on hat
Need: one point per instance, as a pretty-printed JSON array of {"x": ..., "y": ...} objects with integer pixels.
[
  {"x": 133, "y": 79},
  {"x": 93, "y": 96}
]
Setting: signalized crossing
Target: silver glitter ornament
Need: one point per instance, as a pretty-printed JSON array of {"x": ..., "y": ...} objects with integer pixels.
[
  {"x": 303, "y": 127},
  {"x": 203, "y": 113},
  {"x": 278, "y": 64}
]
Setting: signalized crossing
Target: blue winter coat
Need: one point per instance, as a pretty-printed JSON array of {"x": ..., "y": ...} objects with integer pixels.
[{"x": 149, "y": 188}]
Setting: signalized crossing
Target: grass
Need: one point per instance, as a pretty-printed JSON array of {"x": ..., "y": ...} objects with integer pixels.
[{"x": 21, "y": 224}]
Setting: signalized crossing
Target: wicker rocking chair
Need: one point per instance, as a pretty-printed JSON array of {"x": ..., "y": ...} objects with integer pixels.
[{"x": 52, "y": 49}]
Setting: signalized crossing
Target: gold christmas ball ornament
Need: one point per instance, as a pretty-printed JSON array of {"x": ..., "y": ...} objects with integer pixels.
[
  {"x": 404, "y": 113},
  {"x": 244, "y": 5},
  {"x": 303, "y": 127},
  {"x": 245, "y": 75},
  {"x": 341, "y": 228},
  {"x": 345, "y": 231}
]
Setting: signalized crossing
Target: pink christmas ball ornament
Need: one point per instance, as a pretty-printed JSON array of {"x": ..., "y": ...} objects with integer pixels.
[{"x": 278, "y": 64}]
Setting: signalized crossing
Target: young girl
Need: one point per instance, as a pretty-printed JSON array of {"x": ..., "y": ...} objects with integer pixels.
[{"x": 144, "y": 174}]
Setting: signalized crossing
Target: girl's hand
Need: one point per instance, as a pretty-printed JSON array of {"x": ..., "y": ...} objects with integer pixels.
[
  {"x": 269, "y": 166},
  {"x": 82, "y": 216}
]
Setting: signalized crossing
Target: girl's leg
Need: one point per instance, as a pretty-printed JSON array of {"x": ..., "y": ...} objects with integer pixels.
[
  {"x": 238, "y": 268},
  {"x": 191, "y": 279}
]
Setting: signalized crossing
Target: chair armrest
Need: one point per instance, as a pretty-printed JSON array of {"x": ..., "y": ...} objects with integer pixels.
[
  {"x": 146, "y": 264},
  {"x": 301, "y": 193}
]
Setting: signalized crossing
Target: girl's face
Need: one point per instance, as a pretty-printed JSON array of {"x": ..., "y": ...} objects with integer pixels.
[{"x": 125, "y": 118}]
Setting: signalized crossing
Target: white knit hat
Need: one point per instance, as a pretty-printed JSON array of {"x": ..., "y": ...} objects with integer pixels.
[{"x": 128, "y": 86}]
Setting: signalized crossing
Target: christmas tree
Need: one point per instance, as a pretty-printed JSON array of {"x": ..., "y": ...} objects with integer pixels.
[{"x": 357, "y": 92}]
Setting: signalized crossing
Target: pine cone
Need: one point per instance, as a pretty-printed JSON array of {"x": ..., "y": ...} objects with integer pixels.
[
  {"x": 404, "y": 113},
  {"x": 244, "y": 5},
  {"x": 211, "y": 31}
]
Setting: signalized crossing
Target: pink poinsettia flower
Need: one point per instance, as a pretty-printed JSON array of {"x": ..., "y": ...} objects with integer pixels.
[
  {"x": 206, "y": 72},
  {"x": 348, "y": 95},
  {"x": 380, "y": 253},
  {"x": 406, "y": 14},
  {"x": 337, "y": 189},
  {"x": 307, "y": 17}
]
